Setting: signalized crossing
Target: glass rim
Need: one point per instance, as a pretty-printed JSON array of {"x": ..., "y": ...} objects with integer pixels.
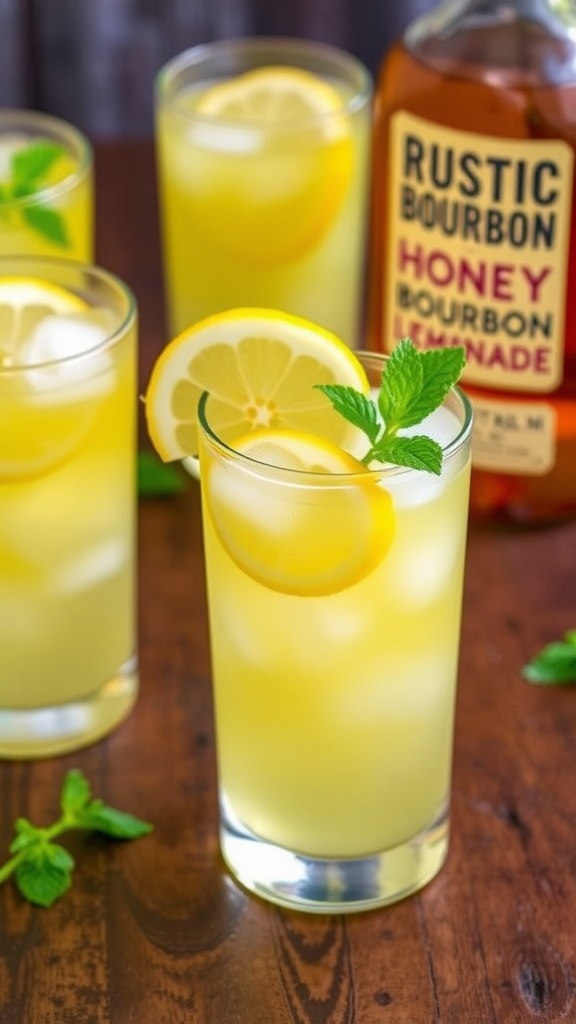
[
  {"x": 77, "y": 144},
  {"x": 287, "y": 47},
  {"x": 23, "y": 265},
  {"x": 449, "y": 451}
]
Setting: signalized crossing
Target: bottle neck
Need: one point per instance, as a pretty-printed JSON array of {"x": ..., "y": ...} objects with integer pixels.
[{"x": 526, "y": 36}]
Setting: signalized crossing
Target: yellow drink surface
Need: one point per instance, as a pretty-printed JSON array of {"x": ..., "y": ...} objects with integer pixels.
[
  {"x": 335, "y": 713},
  {"x": 71, "y": 199},
  {"x": 66, "y": 529},
  {"x": 262, "y": 218}
]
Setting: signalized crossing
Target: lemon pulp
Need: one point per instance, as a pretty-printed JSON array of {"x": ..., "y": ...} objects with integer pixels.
[
  {"x": 273, "y": 163},
  {"x": 260, "y": 367},
  {"x": 312, "y": 536}
]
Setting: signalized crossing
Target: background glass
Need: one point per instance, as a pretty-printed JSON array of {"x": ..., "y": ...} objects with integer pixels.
[
  {"x": 46, "y": 196},
  {"x": 67, "y": 518},
  {"x": 334, "y": 713},
  {"x": 263, "y": 215}
]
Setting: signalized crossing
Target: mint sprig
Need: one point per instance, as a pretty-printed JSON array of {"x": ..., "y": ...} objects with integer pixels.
[
  {"x": 555, "y": 664},
  {"x": 29, "y": 168},
  {"x": 413, "y": 385},
  {"x": 42, "y": 869}
]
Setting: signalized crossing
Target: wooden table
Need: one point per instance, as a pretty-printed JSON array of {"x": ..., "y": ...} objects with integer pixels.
[{"x": 156, "y": 932}]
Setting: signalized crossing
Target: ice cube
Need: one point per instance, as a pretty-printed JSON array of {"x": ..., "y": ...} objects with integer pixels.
[
  {"x": 94, "y": 566},
  {"x": 65, "y": 351}
]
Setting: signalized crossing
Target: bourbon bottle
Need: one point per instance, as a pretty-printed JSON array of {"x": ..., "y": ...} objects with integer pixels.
[{"x": 474, "y": 233}]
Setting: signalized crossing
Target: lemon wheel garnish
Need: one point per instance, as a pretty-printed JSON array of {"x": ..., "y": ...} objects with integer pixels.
[
  {"x": 35, "y": 435},
  {"x": 273, "y": 193},
  {"x": 313, "y": 539},
  {"x": 260, "y": 367}
]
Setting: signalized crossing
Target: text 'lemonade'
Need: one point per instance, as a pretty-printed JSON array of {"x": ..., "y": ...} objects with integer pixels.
[
  {"x": 46, "y": 187},
  {"x": 263, "y": 178},
  {"x": 334, "y": 597},
  {"x": 67, "y": 382}
]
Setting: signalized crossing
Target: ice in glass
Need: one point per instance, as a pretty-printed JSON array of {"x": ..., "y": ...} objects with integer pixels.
[
  {"x": 67, "y": 505},
  {"x": 262, "y": 157},
  {"x": 335, "y": 605}
]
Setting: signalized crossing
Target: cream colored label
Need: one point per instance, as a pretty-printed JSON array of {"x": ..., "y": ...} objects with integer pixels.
[
  {"x": 478, "y": 244},
  {"x": 513, "y": 437}
]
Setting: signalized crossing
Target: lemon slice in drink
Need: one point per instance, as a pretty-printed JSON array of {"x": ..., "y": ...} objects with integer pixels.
[
  {"x": 24, "y": 302},
  {"x": 260, "y": 367},
  {"x": 273, "y": 164},
  {"x": 316, "y": 540},
  {"x": 35, "y": 434}
]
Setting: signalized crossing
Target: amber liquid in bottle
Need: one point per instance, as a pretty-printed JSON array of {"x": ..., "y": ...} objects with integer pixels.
[{"x": 527, "y": 90}]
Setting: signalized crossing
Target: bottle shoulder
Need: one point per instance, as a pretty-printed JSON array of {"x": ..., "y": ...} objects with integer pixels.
[{"x": 518, "y": 43}]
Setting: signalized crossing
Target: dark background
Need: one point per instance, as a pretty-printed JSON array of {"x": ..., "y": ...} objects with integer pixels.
[{"x": 93, "y": 62}]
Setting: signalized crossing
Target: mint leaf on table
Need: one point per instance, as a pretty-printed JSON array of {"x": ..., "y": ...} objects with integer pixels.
[
  {"x": 413, "y": 385},
  {"x": 555, "y": 664},
  {"x": 158, "y": 479},
  {"x": 42, "y": 869},
  {"x": 29, "y": 168}
]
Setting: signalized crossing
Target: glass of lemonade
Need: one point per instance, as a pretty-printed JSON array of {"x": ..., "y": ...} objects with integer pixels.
[
  {"x": 334, "y": 703},
  {"x": 46, "y": 187},
  {"x": 263, "y": 162},
  {"x": 67, "y": 505}
]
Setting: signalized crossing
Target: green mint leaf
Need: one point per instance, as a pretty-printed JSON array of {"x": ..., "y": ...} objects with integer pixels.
[
  {"x": 119, "y": 824},
  {"x": 42, "y": 868},
  {"x": 75, "y": 793},
  {"x": 355, "y": 407},
  {"x": 401, "y": 386},
  {"x": 441, "y": 369},
  {"x": 412, "y": 452},
  {"x": 158, "y": 479},
  {"x": 48, "y": 223},
  {"x": 413, "y": 385},
  {"x": 555, "y": 664},
  {"x": 26, "y": 835},
  {"x": 32, "y": 164},
  {"x": 44, "y": 874}
]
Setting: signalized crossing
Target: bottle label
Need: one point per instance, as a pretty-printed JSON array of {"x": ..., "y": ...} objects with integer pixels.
[
  {"x": 513, "y": 437},
  {"x": 478, "y": 250}
]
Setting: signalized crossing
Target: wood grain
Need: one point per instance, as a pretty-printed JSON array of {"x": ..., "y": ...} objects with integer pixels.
[{"x": 155, "y": 931}]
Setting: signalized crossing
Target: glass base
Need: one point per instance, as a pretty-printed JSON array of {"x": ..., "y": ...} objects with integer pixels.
[
  {"x": 43, "y": 732},
  {"x": 320, "y": 885}
]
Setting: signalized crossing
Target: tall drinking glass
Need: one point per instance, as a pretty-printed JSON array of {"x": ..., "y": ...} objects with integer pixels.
[
  {"x": 334, "y": 666},
  {"x": 46, "y": 187},
  {"x": 67, "y": 505},
  {"x": 263, "y": 161}
]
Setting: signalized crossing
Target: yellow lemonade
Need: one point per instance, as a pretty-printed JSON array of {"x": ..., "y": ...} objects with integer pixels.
[
  {"x": 262, "y": 178},
  {"x": 334, "y": 504},
  {"x": 46, "y": 187},
  {"x": 334, "y": 711},
  {"x": 67, "y": 450}
]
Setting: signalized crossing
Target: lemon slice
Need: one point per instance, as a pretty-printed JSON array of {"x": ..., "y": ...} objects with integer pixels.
[
  {"x": 35, "y": 435},
  {"x": 260, "y": 367},
  {"x": 24, "y": 302},
  {"x": 313, "y": 540},
  {"x": 267, "y": 186}
]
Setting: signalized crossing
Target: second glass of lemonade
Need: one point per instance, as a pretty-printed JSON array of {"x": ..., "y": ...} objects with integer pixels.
[
  {"x": 263, "y": 162},
  {"x": 334, "y": 655},
  {"x": 46, "y": 187},
  {"x": 67, "y": 505}
]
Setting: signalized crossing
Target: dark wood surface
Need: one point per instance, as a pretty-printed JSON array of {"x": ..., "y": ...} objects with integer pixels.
[{"x": 155, "y": 932}]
